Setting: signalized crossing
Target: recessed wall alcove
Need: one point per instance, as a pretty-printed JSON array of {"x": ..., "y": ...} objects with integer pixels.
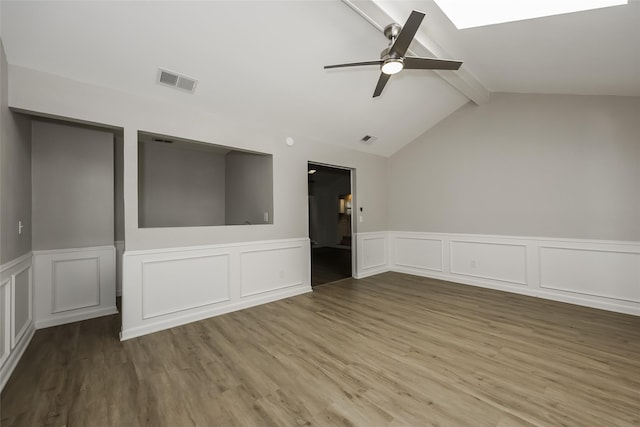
[{"x": 184, "y": 183}]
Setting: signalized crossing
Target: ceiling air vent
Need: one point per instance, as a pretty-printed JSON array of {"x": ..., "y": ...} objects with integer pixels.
[
  {"x": 178, "y": 81},
  {"x": 368, "y": 139}
]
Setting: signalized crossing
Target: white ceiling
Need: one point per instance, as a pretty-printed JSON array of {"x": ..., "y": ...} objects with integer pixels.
[
  {"x": 594, "y": 52},
  {"x": 262, "y": 61}
]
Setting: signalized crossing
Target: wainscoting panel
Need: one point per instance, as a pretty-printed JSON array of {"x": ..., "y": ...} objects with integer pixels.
[
  {"x": 5, "y": 321},
  {"x": 420, "y": 253},
  {"x": 21, "y": 304},
  {"x": 174, "y": 285},
  {"x": 609, "y": 274},
  {"x": 372, "y": 253},
  {"x": 163, "y": 288},
  {"x": 594, "y": 273},
  {"x": 74, "y": 284},
  {"x": 16, "y": 313},
  {"x": 494, "y": 261},
  {"x": 270, "y": 269}
]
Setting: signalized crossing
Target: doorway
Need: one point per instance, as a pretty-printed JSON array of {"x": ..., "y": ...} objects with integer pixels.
[{"x": 330, "y": 222}]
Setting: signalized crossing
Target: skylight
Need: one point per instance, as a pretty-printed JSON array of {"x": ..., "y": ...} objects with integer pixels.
[{"x": 474, "y": 13}]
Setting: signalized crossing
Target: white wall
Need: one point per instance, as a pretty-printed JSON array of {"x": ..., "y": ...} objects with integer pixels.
[
  {"x": 524, "y": 165},
  {"x": 180, "y": 187},
  {"x": 73, "y": 186}
]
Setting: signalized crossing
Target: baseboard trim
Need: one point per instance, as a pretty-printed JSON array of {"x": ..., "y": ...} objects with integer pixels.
[
  {"x": 212, "y": 311},
  {"x": 370, "y": 272},
  {"x": 76, "y": 317},
  {"x": 15, "y": 356}
]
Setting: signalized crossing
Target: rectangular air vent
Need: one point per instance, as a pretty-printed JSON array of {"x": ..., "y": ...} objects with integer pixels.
[
  {"x": 175, "y": 80},
  {"x": 368, "y": 139}
]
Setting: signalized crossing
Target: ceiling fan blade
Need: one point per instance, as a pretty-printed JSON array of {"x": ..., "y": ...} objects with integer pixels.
[
  {"x": 382, "y": 81},
  {"x": 401, "y": 45},
  {"x": 415, "y": 63},
  {"x": 354, "y": 64}
]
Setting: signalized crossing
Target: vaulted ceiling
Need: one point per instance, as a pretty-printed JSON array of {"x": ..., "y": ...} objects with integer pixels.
[{"x": 262, "y": 60}]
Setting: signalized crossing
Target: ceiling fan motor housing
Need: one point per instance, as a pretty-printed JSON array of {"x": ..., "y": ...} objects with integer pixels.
[{"x": 392, "y": 30}]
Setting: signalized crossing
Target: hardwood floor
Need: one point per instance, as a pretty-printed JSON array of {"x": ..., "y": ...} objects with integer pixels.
[
  {"x": 330, "y": 265},
  {"x": 390, "y": 350}
]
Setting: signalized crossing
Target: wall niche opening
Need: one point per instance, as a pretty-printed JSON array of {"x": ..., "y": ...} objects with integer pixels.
[{"x": 184, "y": 183}]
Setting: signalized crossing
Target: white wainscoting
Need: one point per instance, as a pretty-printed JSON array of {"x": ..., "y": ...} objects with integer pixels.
[
  {"x": 119, "y": 244},
  {"x": 74, "y": 284},
  {"x": 504, "y": 262},
  {"x": 179, "y": 284},
  {"x": 594, "y": 273},
  {"x": 371, "y": 253},
  {"x": 609, "y": 272},
  {"x": 417, "y": 252},
  {"x": 163, "y": 288},
  {"x": 16, "y": 313}
]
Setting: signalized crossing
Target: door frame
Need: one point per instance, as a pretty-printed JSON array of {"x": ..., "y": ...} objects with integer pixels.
[{"x": 354, "y": 210}]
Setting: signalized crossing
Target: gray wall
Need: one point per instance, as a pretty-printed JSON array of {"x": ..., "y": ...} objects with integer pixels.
[
  {"x": 249, "y": 188},
  {"x": 37, "y": 91},
  {"x": 525, "y": 165},
  {"x": 15, "y": 175},
  {"x": 119, "y": 186},
  {"x": 72, "y": 186},
  {"x": 180, "y": 187}
]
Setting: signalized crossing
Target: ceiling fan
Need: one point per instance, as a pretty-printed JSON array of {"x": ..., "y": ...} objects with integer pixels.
[{"x": 393, "y": 60}]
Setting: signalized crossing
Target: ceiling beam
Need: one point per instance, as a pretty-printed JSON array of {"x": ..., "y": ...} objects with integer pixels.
[{"x": 462, "y": 80}]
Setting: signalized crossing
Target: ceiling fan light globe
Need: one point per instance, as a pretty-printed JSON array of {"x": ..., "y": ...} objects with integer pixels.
[{"x": 392, "y": 66}]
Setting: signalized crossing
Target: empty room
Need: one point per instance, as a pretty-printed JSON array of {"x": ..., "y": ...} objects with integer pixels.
[{"x": 324, "y": 212}]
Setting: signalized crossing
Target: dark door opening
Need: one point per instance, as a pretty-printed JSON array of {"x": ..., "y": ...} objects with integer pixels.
[{"x": 330, "y": 224}]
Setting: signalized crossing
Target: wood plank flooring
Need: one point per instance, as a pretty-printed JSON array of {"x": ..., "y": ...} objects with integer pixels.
[
  {"x": 390, "y": 350},
  {"x": 329, "y": 265}
]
